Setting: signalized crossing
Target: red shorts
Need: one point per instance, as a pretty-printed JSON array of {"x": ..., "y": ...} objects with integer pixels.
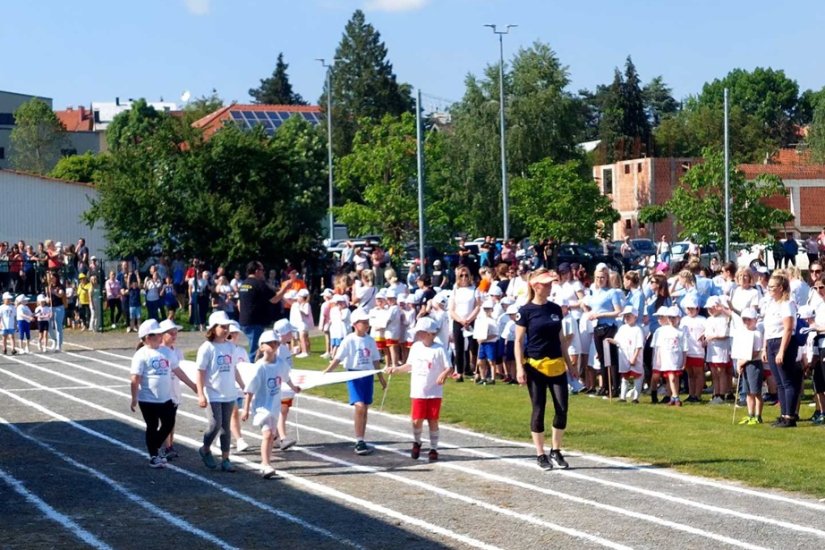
[
  {"x": 390, "y": 342},
  {"x": 425, "y": 409},
  {"x": 727, "y": 365},
  {"x": 408, "y": 345},
  {"x": 695, "y": 363},
  {"x": 287, "y": 402},
  {"x": 380, "y": 343},
  {"x": 668, "y": 373}
]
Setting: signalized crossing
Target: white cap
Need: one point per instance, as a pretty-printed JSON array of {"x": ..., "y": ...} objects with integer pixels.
[
  {"x": 512, "y": 310},
  {"x": 689, "y": 301},
  {"x": 20, "y": 299},
  {"x": 167, "y": 324},
  {"x": 673, "y": 311},
  {"x": 425, "y": 324},
  {"x": 147, "y": 327},
  {"x": 303, "y": 293},
  {"x": 763, "y": 270},
  {"x": 442, "y": 298},
  {"x": 390, "y": 293},
  {"x": 713, "y": 301},
  {"x": 507, "y": 301},
  {"x": 282, "y": 327},
  {"x": 268, "y": 336},
  {"x": 806, "y": 312},
  {"x": 663, "y": 311},
  {"x": 750, "y": 313},
  {"x": 327, "y": 292},
  {"x": 234, "y": 327},
  {"x": 488, "y": 304},
  {"x": 628, "y": 310},
  {"x": 8, "y": 296},
  {"x": 495, "y": 290},
  {"x": 339, "y": 298},
  {"x": 218, "y": 318},
  {"x": 381, "y": 294},
  {"x": 42, "y": 298},
  {"x": 359, "y": 315}
]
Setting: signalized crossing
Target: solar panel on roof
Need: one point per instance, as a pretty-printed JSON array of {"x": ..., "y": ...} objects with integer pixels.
[
  {"x": 310, "y": 117},
  {"x": 249, "y": 115},
  {"x": 236, "y": 115},
  {"x": 274, "y": 116}
]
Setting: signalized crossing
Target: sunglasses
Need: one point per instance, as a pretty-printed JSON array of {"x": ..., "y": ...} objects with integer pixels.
[
  {"x": 816, "y": 271},
  {"x": 463, "y": 276},
  {"x": 820, "y": 288}
]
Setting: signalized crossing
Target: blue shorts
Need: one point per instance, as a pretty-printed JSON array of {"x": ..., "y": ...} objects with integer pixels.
[
  {"x": 24, "y": 330},
  {"x": 501, "y": 346},
  {"x": 134, "y": 312},
  {"x": 361, "y": 390},
  {"x": 8, "y": 332},
  {"x": 336, "y": 342},
  {"x": 487, "y": 350}
]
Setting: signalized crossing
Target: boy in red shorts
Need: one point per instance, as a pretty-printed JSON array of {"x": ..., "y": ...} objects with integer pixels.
[{"x": 429, "y": 366}]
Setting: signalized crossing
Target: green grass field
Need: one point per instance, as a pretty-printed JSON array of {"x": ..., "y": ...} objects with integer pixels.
[{"x": 696, "y": 439}]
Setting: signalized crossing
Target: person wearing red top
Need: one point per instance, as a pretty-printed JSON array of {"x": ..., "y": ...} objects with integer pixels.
[{"x": 292, "y": 283}]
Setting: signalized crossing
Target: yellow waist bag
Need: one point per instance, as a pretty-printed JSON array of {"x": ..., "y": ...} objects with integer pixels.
[{"x": 547, "y": 366}]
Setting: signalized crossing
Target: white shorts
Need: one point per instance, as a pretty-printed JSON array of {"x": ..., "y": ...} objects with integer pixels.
[{"x": 266, "y": 420}]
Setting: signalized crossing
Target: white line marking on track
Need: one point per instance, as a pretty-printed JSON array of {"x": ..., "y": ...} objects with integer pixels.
[
  {"x": 65, "y": 388},
  {"x": 51, "y": 513},
  {"x": 155, "y": 510},
  {"x": 315, "y": 487}
]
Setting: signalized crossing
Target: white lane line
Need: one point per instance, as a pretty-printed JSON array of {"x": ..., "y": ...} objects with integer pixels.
[
  {"x": 315, "y": 487},
  {"x": 51, "y": 513},
  {"x": 584, "y": 477},
  {"x": 65, "y": 388},
  {"x": 155, "y": 510},
  {"x": 226, "y": 490},
  {"x": 654, "y": 494},
  {"x": 431, "y": 488},
  {"x": 644, "y": 468}
]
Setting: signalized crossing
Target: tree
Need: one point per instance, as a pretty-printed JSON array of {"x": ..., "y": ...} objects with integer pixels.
[
  {"x": 37, "y": 137},
  {"x": 201, "y": 106},
  {"x": 556, "y": 201},
  {"x": 652, "y": 214},
  {"x": 635, "y": 124},
  {"x": 276, "y": 90},
  {"x": 816, "y": 133},
  {"x": 363, "y": 83},
  {"x": 698, "y": 203},
  {"x": 85, "y": 168},
  {"x": 659, "y": 101},
  {"x": 130, "y": 127},
  {"x": 383, "y": 164}
]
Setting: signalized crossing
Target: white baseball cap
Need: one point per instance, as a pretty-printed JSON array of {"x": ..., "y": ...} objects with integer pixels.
[
  {"x": 750, "y": 313},
  {"x": 147, "y": 327},
  {"x": 268, "y": 336},
  {"x": 218, "y": 318},
  {"x": 303, "y": 293},
  {"x": 488, "y": 304},
  {"x": 512, "y": 310},
  {"x": 663, "y": 311},
  {"x": 339, "y": 298},
  {"x": 359, "y": 315},
  {"x": 689, "y": 301},
  {"x": 8, "y": 296},
  {"x": 167, "y": 324},
  {"x": 425, "y": 324},
  {"x": 282, "y": 327},
  {"x": 628, "y": 310},
  {"x": 390, "y": 293},
  {"x": 495, "y": 290},
  {"x": 234, "y": 327},
  {"x": 327, "y": 292}
]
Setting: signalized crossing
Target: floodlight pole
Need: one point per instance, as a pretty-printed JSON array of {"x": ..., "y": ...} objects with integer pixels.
[
  {"x": 329, "y": 146},
  {"x": 419, "y": 156},
  {"x": 727, "y": 183},
  {"x": 504, "y": 188}
]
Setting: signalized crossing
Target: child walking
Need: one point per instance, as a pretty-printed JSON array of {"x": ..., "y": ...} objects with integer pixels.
[
  {"x": 284, "y": 331},
  {"x": 43, "y": 313},
  {"x": 339, "y": 322},
  {"x": 173, "y": 354},
  {"x": 359, "y": 352},
  {"x": 264, "y": 390},
  {"x": 750, "y": 367},
  {"x": 24, "y": 320},
  {"x": 430, "y": 367},
  {"x": 8, "y": 323}
]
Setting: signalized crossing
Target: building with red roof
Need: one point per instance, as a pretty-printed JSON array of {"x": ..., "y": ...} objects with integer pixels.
[{"x": 270, "y": 117}]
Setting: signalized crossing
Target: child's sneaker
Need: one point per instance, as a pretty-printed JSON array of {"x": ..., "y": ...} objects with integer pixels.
[
  {"x": 170, "y": 452},
  {"x": 286, "y": 444},
  {"x": 432, "y": 456},
  {"x": 361, "y": 448},
  {"x": 241, "y": 445},
  {"x": 557, "y": 459},
  {"x": 754, "y": 421},
  {"x": 156, "y": 462},
  {"x": 544, "y": 462},
  {"x": 227, "y": 466},
  {"x": 415, "y": 452},
  {"x": 268, "y": 472},
  {"x": 675, "y": 402},
  {"x": 745, "y": 420},
  {"x": 208, "y": 459},
  {"x": 490, "y": 382}
]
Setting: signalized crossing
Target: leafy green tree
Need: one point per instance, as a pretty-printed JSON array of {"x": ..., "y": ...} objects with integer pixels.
[
  {"x": 659, "y": 101},
  {"x": 383, "y": 164},
  {"x": 277, "y": 90},
  {"x": 363, "y": 83},
  {"x": 556, "y": 201},
  {"x": 85, "y": 168},
  {"x": 808, "y": 100},
  {"x": 201, "y": 106},
  {"x": 698, "y": 203},
  {"x": 764, "y": 93},
  {"x": 130, "y": 127},
  {"x": 652, "y": 214},
  {"x": 816, "y": 133},
  {"x": 37, "y": 137}
]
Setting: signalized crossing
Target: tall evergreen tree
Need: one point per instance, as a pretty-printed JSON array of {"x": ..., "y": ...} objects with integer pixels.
[
  {"x": 363, "y": 83},
  {"x": 611, "y": 121},
  {"x": 276, "y": 90},
  {"x": 659, "y": 101},
  {"x": 635, "y": 126}
]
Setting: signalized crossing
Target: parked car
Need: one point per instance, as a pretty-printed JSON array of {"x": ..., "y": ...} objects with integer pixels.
[
  {"x": 571, "y": 253},
  {"x": 678, "y": 252}
]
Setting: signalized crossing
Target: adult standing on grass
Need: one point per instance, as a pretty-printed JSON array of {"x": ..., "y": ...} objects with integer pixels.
[
  {"x": 463, "y": 307},
  {"x": 605, "y": 306},
  {"x": 254, "y": 298},
  {"x": 542, "y": 364},
  {"x": 780, "y": 348}
]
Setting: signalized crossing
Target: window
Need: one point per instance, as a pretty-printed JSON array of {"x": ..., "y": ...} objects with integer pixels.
[
  {"x": 628, "y": 224},
  {"x": 2, "y": 153},
  {"x": 607, "y": 181},
  {"x": 68, "y": 152},
  {"x": 641, "y": 225},
  {"x": 626, "y": 168},
  {"x": 639, "y": 167}
]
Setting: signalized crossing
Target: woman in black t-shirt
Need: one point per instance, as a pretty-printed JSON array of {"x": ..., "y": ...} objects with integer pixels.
[{"x": 542, "y": 364}]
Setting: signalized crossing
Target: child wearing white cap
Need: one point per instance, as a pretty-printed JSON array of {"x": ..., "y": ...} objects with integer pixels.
[
  {"x": 43, "y": 313},
  {"x": 408, "y": 316},
  {"x": 324, "y": 320},
  {"x": 485, "y": 332},
  {"x": 24, "y": 320},
  {"x": 393, "y": 330},
  {"x": 693, "y": 325},
  {"x": 669, "y": 346},
  {"x": 284, "y": 330},
  {"x": 508, "y": 334},
  {"x": 378, "y": 322},
  {"x": 430, "y": 367},
  {"x": 339, "y": 322},
  {"x": 300, "y": 316},
  {"x": 8, "y": 323},
  {"x": 239, "y": 355},
  {"x": 173, "y": 354},
  {"x": 630, "y": 340},
  {"x": 717, "y": 339},
  {"x": 264, "y": 391},
  {"x": 750, "y": 368}
]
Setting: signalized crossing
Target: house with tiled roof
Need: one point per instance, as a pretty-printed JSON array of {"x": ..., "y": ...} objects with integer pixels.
[{"x": 270, "y": 117}]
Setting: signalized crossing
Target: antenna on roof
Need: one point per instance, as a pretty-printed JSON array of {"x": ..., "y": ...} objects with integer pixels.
[{"x": 186, "y": 96}]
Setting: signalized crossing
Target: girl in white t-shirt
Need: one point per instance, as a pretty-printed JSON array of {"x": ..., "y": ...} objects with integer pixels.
[
  {"x": 630, "y": 340},
  {"x": 326, "y": 307},
  {"x": 669, "y": 346},
  {"x": 339, "y": 323},
  {"x": 174, "y": 355},
  {"x": 305, "y": 321},
  {"x": 429, "y": 366},
  {"x": 240, "y": 355},
  {"x": 217, "y": 375},
  {"x": 693, "y": 325},
  {"x": 24, "y": 319},
  {"x": 508, "y": 334},
  {"x": 43, "y": 313},
  {"x": 378, "y": 322},
  {"x": 393, "y": 331},
  {"x": 717, "y": 340},
  {"x": 284, "y": 331}
]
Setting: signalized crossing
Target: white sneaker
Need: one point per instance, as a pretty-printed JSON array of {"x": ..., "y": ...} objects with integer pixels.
[
  {"x": 286, "y": 444},
  {"x": 114, "y": 326},
  {"x": 325, "y": 355},
  {"x": 268, "y": 472},
  {"x": 157, "y": 462},
  {"x": 242, "y": 445},
  {"x": 717, "y": 401},
  {"x": 302, "y": 355}
]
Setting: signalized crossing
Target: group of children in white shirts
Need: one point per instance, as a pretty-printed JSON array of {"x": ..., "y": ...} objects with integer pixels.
[{"x": 16, "y": 320}]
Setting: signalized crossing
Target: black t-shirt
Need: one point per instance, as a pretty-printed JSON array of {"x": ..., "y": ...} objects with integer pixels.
[
  {"x": 254, "y": 296},
  {"x": 543, "y": 324}
]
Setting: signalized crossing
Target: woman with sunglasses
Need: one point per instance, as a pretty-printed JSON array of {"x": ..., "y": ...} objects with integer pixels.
[
  {"x": 605, "y": 305},
  {"x": 815, "y": 273},
  {"x": 542, "y": 363},
  {"x": 780, "y": 348},
  {"x": 463, "y": 307}
]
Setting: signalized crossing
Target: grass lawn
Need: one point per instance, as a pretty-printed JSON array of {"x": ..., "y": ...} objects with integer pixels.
[{"x": 697, "y": 439}]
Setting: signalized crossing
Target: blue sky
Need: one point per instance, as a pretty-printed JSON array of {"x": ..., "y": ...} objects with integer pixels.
[{"x": 94, "y": 50}]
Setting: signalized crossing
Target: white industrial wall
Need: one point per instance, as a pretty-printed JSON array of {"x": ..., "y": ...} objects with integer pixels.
[{"x": 34, "y": 209}]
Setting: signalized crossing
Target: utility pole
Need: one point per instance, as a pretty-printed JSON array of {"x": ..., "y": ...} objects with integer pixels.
[{"x": 329, "y": 146}]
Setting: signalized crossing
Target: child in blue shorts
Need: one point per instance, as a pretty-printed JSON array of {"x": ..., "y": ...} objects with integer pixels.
[
  {"x": 485, "y": 331},
  {"x": 8, "y": 323},
  {"x": 358, "y": 351}
]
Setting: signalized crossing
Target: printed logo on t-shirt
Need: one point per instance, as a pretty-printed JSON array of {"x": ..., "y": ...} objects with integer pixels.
[
  {"x": 364, "y": 356},
  {"x": 274, "y": 385},
  {"x": 555, "y": 318},
  {"x": 159, "y": 365},
  {"x": 224, "y": 362}
]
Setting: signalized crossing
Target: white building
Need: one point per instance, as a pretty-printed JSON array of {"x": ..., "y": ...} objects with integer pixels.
[
  {"x": 105, "y": 111},
  {"x": 37, "y": 208}
]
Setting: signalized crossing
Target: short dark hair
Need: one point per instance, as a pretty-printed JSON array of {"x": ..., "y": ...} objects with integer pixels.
[
  {"x": 253, "y": 266},
  {"x": 425, "y": 279}
]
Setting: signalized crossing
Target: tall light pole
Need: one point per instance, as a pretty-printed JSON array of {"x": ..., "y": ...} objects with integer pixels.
[
  {"x": 504, "y": 192},
  {"x": 329, "y": 145}
]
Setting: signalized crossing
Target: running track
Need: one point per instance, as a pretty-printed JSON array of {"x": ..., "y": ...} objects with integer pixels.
[{"x": 73, "y": 474}]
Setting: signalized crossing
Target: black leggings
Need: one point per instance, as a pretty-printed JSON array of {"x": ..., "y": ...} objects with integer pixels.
[
  {"x": 154, "y": 414},
  {"x": 462, "y": 354},
  {"x": 599, "y": 335},
  {"x": 115, "y": 310},
  {"x": 220, "y": 414},
  {"x": 537, "y": 386}
]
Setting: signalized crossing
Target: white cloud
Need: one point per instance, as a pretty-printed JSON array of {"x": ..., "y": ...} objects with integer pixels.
[
  {"x": 198, "y": 7},
  {"x": 395, "y": 5}
]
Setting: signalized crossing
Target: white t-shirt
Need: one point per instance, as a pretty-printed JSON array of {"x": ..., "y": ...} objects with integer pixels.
[
  {"x": 442, "y": 337},
  {"x": 774, "y": 313},
  {"x": 358, "y": 352},
  {"x": 266, "y": 386},
  {"x": 295, "y": 317},
  {"x": 43, "y": 313},
  {"x": 427, "y": 364},
  {"x": 219, "y": 362},
  {"x": 393, "y": 330},
  {"x": 7, "y": 319},
  {"x": 718, "y": 351},
  {"x": 285, "y": 355},
  {"x": 629, "y": 340},
  {"x": 174, "y": 356},
  {"x": 24, "y": 313},
  {"x": 463, "y": 301},
  {"x": 339, "y": 324},
  {"x": 694, "y": 329},
  {"x": 154, "y": 370},
  {"x": 799, "y": 291},
  {"x": 570, "y": 327},
  {"x": 509, "y": 332},
  {"x": 670, "y": 345},
  {"x": 742, "y": 298},
  {"x": 409, "y": 322}
]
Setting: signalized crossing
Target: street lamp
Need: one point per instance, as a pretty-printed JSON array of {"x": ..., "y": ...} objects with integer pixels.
[
  {"x": 504, "y": 192},
  {"x": 329, "y": 145}
]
